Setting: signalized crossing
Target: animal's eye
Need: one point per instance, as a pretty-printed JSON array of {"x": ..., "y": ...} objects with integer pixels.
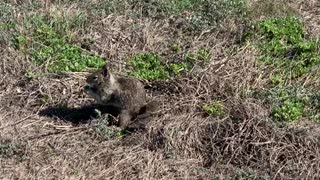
[{"x": 95, "y": 78}]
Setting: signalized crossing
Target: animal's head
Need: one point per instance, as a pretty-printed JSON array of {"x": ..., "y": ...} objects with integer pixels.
[{"x": 98, "y": 82}]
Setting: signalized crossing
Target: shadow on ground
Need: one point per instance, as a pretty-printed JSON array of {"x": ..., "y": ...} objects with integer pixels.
[{"x": 78, "y": 115}]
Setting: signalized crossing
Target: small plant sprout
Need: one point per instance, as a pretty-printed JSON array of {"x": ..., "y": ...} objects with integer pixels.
[{"x": 215, "y": 109}]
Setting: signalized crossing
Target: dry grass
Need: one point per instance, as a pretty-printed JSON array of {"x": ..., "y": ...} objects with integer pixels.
[{"x": 179, "y": 142}]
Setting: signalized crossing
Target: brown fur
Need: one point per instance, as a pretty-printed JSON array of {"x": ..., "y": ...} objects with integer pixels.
[{"x": 127, "y": 94}]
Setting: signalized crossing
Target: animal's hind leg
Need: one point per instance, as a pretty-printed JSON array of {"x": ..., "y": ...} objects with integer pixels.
[{"x": 124, "y": 118}]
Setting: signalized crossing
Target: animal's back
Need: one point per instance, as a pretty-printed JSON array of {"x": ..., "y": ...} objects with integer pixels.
[{"x": 132, "y": 93}]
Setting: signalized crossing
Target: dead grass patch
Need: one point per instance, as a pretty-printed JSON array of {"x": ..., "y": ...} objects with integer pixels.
[{"x": 181, "y": 141}]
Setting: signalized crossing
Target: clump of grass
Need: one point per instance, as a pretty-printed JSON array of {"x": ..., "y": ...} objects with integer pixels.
[
  {"x": 269, "y": 8},
  {"x": 106, "y": 132},
  {"x": 285, "y": 46},
  {"x": 277, "y": 79},
  {"x": 202, "y": 14},
  {"x": 9, "y": 149},
  {"x": 179, "y": 68},
  {"x": 49, "y": 48},
  {"x": 6, "y": 16},
  {"x": 205, "y": 13},
  {"x": 64, "y": 23},
  {"x": 202, "y": 56},
  {"x": 104, "y": 8},
  {"x": 314, "y": 111},
  {"x": 315, "y": 100},
  {"x": 242, "y": 174},
  {"x": 215, "y": 109},
  {"x": 103, "y": 128},
  {"x": 7, "y": 22}
]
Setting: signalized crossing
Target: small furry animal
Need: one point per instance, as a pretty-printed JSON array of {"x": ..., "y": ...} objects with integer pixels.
[{"x": 124, "y": 94}]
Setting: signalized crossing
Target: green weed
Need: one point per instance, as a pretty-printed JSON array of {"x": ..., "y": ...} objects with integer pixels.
[
  {"x": 315, "y": 100},
  {"x": 176, "y": 48},
  {"x": 314, "y": 110},
  {"x": 215, "y": 109},
  {"x": 289, "y": 110},
  {"x": 285, "y": 46},
  {"x": 103, "y": 129},
  {"x": 30, "y": 75},
  {"x": 291, "y": 103},
  {"x": 19, "y": 42},
  {"x": 148, "y": 66},
  {"x": 276, "y": 79},
  {"x": 288, "y": 29},
  {"x": 48, "y": 47},
  {"x": 247, "y": 174},
  {"x": 316, "y": 118},
  {"x": 202, "y": 56},
  {"x": 241, "y": 175},
  {"x": 106, "y": 132},
  {"x": 178, "y": 68}
]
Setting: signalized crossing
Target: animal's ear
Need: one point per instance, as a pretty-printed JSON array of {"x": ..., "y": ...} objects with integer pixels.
[{"x": 105, "y": 71}]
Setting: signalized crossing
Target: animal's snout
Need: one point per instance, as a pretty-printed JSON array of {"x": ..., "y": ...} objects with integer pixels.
[
  {"x": 87, "y": 87},
  {"x": 90, "y": 88}
]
